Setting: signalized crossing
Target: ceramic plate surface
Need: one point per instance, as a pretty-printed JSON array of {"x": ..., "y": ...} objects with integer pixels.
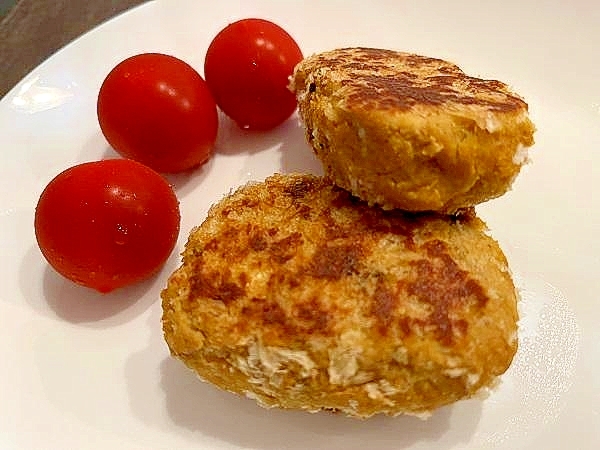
[{"x": 81, "y": 370}]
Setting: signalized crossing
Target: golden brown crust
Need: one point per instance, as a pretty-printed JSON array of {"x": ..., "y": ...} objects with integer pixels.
[
  {"x": 295, "y": 293},
  {"x": 411, "y": 132}
]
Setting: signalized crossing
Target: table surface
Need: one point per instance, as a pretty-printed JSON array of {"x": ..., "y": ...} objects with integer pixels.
[{"x": 32, "y": 30}]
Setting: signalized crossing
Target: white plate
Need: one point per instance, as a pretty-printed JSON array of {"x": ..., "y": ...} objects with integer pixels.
[{"x": 83, "y": 371}]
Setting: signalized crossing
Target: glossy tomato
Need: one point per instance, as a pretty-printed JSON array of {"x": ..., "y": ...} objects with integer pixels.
[
  {"x": 247, "y": 67},
  {"x": 107, "y": 224},
  {"x": 156, "y": 109}
]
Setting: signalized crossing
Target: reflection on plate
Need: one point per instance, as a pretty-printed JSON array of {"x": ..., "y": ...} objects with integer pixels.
[
  {"x": 31, "y": 97},
  {"x": 81, "y": 370}
]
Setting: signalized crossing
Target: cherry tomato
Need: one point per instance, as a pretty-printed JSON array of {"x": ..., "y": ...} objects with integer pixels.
[
  {"x": 107, "y": 224},
  {"x": 156, "y": 109},
  {"x": 247, "y": 67}
]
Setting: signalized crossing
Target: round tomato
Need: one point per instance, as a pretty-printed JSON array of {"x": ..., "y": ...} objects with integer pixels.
[
  {"x": 156, "y": 109},
  {"x": 247, "y": 67},
  {"x": 107, "y": 224}
]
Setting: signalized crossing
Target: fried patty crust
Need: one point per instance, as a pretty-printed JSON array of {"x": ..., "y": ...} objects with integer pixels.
[
  {"x": 411, "y": 132},
  {"x": 298, "y": 295}
]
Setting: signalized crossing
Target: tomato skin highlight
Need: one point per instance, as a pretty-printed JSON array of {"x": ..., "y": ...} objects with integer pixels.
[
  {"x": 247, "y": 67},
  {"x": 107, "y": 224},
  {"x": 157, "y": 110}
]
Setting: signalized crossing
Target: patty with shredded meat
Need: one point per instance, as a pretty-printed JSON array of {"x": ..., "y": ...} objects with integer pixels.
[
  {"x": 298, "y": 295},
  {"x": 411, "y": 132}
]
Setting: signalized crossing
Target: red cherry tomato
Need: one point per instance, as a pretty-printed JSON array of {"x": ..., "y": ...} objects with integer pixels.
[
  {"x": 156, "y": 109},
  {"x": 247, "y": 67},
  {"x": 107, "y": 224}
]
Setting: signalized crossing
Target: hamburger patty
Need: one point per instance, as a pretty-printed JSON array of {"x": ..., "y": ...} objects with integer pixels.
[
  {"x": 297, "y": 294},
  {"x": 411, "y": 132}
]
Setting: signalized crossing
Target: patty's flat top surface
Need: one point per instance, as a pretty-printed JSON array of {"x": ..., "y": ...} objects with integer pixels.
[
  {"x": 299, "y": 258},
  {"x": 386, "y": 79}
]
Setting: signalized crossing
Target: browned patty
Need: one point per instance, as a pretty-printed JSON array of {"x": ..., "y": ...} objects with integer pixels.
[
  {"x": 411, "y": 132},
  {"x": 296, "y": 294}
]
